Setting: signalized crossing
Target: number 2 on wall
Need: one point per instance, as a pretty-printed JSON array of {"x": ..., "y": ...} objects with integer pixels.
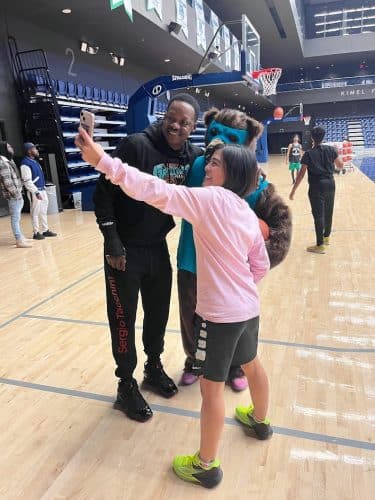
[{"x": 69, "y": 51}]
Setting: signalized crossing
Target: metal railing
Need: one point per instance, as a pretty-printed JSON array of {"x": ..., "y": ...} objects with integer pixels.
[{"x": 327, "y": 83}]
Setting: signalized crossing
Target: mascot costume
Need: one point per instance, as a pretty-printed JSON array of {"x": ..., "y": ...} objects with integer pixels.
[{"x": 227, "y": 126}]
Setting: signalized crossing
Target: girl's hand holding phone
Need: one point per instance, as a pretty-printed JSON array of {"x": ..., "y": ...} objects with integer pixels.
[{"x": 91, "y": 152}]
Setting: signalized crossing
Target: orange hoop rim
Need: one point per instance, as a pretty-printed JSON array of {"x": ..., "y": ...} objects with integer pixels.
[{"x": 265, "y": 71}]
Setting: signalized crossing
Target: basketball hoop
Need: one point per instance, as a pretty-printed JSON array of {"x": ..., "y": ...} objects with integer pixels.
[
  {"x": 268, "y": 78},
  {"x": 307, "y": 119}
]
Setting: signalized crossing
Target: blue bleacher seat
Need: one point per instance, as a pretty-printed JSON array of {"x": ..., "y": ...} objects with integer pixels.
[
  {"x": 54, "y": 85},
  {"x": 61, "y": 87},
  {"x": 103, "y": 95},
  {"x": 110, "y": 98},
  {"x": 72, "y": 90},
  {"x": 96, "y": 94},
  {"x": 116, "y": 98},
  {"x": 80, "y": 91},
  {"x": 123, "y": 99},
  {"x": 88, "y": 93}
]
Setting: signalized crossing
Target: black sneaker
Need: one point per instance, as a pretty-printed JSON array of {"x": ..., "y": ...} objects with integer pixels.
[
  {"x": 131, "y": 402},
  {"x": 49, "y": 233},
  {"x": 38, "y": 236},
  {"x": 157, "y": 380}
]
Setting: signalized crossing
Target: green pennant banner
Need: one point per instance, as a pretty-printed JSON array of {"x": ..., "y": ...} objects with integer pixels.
[
  {"x": 115, "y": 3},
  {"x": 127, "y": 6},
  {"x": 157, "y": 5}
]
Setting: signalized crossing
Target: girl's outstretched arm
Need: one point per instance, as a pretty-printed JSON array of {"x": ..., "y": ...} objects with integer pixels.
[{"x": 189, "y": 203}]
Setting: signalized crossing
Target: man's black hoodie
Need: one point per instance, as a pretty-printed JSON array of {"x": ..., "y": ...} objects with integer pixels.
[{"x": 127, "y": 222}]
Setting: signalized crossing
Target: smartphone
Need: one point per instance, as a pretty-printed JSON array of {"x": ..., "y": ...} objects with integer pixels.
[{"x": 87, "y": 121}]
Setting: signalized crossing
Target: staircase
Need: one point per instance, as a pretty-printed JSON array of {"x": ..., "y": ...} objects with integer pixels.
[
  {"x": 355, "y": 133},
  {"x": 37, "y": 105}
]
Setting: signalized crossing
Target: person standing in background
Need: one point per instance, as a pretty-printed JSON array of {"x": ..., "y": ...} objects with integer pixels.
[
  {"x": 11, "y": 189},
  {"x": 294, "y": 155},
  {"x": 320, "y": 163},
  {"x": 33, "y": 179}
]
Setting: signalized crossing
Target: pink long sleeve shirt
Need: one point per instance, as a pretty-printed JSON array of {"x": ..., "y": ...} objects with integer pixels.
[{"x": 231, "y": 255}]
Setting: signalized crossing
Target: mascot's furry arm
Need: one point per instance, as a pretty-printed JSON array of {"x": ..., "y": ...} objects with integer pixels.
[{"x": 271, "y": 208}]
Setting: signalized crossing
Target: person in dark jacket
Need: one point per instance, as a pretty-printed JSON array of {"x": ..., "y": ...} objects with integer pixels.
[
  {"x": 33, "y": 179},
  {"x": 136, "y": 253},
  {"x": 320, "y": 163}
]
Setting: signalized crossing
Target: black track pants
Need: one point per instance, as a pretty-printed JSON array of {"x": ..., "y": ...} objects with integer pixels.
[
  {"x": 148, "y": 270},
  {"x": 322, "y": 198}
]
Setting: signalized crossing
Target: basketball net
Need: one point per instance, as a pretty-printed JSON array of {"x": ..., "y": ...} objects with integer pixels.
[
  {"x": 307, "y": 119},
  {"x": 268, "y": 78}
]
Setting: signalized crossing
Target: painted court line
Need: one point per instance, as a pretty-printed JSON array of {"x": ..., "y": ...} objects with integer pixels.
[
  {"x": 311, "y": 436},
  {"x": 56, "y": 294},
  {"x": 171, "y": 330}
]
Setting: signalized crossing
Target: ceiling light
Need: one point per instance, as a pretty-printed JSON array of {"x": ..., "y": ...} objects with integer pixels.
[
  {"x": 92, "y": 50},
  {"x": 167, "y": 60},
  {"x": 120, "y": 60},
  {"x": 66, "y": 11},
  {"x": 89, "y": 49}
]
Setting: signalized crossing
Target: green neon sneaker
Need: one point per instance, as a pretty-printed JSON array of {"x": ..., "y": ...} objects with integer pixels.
[
  {"x": 244, "y": 414},
  {"x": 326, "y": 240},
  {"x": 316, "y": 249},
  {"x": 189, "y": 468}
]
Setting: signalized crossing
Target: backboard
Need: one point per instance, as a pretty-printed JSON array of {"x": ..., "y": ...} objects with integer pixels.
[{"x": 251, "y": 45}]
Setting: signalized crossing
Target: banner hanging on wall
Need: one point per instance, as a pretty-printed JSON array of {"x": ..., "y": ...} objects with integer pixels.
[
  {"x": 127, "y": 6},
  {"x": 181, "y": 16},
  {"x": 215, "y": 26},
  {"x": 157, "y": 5},
  {"x": 227, "y": 46},
  {"x": 201, "y": 24},
  {"x": 236, "y": 53}
]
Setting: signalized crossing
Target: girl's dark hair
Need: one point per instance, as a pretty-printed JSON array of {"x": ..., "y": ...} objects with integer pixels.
[
  {"x": 318, "y": 134},
  {"x": 236, "y": 119},
  {"x": 240, "y": 167}
]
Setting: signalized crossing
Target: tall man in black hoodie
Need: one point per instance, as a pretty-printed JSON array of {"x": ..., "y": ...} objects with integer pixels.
[{"x": 136, "y": 253}]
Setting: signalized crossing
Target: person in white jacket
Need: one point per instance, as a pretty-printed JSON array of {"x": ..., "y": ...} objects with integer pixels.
[{"x": 33, "y": 179}]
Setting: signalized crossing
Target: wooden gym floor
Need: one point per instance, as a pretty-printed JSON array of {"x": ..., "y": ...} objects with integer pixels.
[{"x": 60, "y": 437}]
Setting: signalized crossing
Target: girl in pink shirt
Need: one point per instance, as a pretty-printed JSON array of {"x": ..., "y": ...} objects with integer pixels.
[{"x": 231, "y": 259}]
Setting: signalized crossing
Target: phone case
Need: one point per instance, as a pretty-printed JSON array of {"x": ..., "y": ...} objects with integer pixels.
[{"x": 86, "y": 121}]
